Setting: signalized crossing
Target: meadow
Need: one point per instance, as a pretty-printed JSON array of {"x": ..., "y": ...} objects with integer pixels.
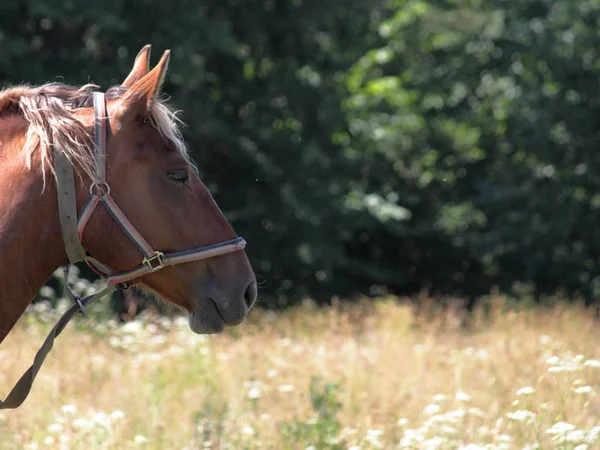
[{"x": 366, "y": 375}]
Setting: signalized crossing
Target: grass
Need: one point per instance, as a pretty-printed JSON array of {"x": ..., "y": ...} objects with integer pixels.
[{"x": 362, "y": 376}]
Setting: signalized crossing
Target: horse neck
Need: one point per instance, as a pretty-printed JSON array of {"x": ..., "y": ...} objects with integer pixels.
[{"x": 31, "y": 245}]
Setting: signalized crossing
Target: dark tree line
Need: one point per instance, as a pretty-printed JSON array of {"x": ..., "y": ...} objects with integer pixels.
[{"x": 362, "y": 146}]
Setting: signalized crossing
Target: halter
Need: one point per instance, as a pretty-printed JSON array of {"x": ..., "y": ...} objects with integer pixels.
[
  {"x": 73, "y": 226},
  {"x": 72, "y": 229}
]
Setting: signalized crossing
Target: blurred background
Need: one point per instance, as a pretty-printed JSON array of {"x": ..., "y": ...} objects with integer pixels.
[
  {"x": 367, "y": 147},
  {"x": 418, "y": 158}
]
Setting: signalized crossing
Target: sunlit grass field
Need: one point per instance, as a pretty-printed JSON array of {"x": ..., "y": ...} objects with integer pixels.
[{"x": 367, "y": 375}]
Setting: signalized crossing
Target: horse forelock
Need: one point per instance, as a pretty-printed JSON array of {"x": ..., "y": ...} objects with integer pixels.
[{"x": 50, "y": 111}]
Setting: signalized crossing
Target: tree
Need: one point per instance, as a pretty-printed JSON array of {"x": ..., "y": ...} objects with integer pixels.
[{"x": 483, "y": 113}]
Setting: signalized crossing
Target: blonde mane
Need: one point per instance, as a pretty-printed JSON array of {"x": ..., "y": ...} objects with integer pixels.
[{"x": 50, "y": 111}]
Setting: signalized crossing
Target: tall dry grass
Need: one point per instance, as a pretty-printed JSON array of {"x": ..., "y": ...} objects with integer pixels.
[{"x": 382, "y": 377}]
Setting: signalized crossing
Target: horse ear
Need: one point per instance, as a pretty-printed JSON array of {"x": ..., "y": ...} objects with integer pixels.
[
  {"x": 141, "y": 66},
  {"x": 142, "y": 92}
]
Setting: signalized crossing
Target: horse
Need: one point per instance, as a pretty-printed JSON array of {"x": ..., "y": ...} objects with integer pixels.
[{"x": 66, "y": 151}]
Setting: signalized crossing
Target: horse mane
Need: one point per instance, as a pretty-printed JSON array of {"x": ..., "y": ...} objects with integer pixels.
[{"x": 50, "y": 111}]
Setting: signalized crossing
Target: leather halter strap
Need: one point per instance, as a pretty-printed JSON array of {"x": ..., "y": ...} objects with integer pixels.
[
  {"x": 152, "y": 260},
  {"x": 72, "y": 227}
]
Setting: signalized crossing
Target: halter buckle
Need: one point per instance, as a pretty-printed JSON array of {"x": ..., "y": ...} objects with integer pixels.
[{"x": 155, "y": 262}]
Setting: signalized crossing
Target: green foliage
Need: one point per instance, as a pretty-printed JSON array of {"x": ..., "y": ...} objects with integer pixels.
[
  {"x": 323, "y": 428},
  {"x": 404, "y": 144},
  {"x": 480, "y": 117}
]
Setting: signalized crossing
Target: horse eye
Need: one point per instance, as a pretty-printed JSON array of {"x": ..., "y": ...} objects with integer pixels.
[{"x": 179, "y": 176}]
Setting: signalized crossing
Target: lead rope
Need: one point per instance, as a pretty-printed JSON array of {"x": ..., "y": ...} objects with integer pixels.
[{"x": 21, "y": 390}]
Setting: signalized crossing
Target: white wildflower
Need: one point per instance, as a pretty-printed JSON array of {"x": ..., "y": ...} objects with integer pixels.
[
  {"x": 432, "y": 409},
  {"x": 456, "y": 415},
  {"x": 402, "y": 422},
  {"x": 117, "y": 415},
  {"x": 286, "y": 388},
  {"x": 583, "y": 390},
  {"x": 374, "y": 432},
  {"x": 140, "y": 439},
  {"x": 42, "y": 307},
  {"x": 411, "y": 438},
  {"x": 482, "y": 353},
  {"x": 128, "y": 340},
  {"x": 447, "y": 429},
  {"x": 180, "y": 322},
  {"x": 473, "y": 446},
  {"x": 47, "y": 292},
  {"x": 248, "y": 430},
  {"x": 574, "y": 436},
  {"x": 157, "y": 340},
  {"x": 373, "y": 436},
  {"x": 525, "y": 390},
  {"x": 347, "y": 431},
  {"x": 476, "y": 412},
  {"x": 49, "y": 440},
  {"x": 133, "y": 327},
  {"x": 254, "y": 393},
  {"x": 593, "y": 363},
  {"x": 521, "y": 415},
  {"x": 55, "y": 428},
  {"x": 462, "y": 397},
  {"x": 593, "y": 436},
  {"x": 560, "y": 428},
  {"x": 436, "y": 442},
  {"x": 101, "y": 419},
  {"x": 437, "y": 419},
  {"x": 81, "y": 423},
  {"x": 69, "y": 409},
  {"x": 505, "y": 438},
  {"x": 62, "y": 306},
  {"x": 569, "y": 367}
]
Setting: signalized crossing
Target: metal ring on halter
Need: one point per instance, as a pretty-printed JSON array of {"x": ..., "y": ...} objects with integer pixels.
[
  {"x": 82, "y": 310},
  {"x": 99, "y": 192}
]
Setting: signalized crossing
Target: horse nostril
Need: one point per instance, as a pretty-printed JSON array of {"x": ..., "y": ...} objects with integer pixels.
[{"x": 250, "y": 295}]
